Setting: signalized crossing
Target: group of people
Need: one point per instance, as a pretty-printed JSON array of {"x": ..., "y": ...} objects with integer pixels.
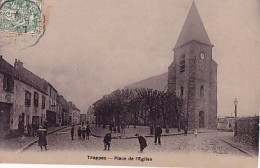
[
  {"x": 141, "y": 139},
  {"x": 83, "y": 132},
  {"x": 113, "y": 127}
]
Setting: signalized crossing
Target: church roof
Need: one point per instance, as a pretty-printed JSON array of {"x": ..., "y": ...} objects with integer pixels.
[{"x": 193, "y": 29}]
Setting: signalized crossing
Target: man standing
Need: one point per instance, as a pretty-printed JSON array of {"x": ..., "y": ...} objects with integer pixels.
[
  {"x": 107, "y": 141},
  {"x": 72, "y": 132},
  {"x": 142, "y": 142},
  {"x": 158, "y": 133},
  {"x": 88, "y": 132}
]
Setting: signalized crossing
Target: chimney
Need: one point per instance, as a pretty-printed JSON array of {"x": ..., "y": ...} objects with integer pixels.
[{"x": 18, "y": 64}]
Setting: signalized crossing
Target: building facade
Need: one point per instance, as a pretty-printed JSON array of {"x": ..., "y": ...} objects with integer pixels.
[
  {"x": 193, "y": 73},
  {"x": 27, "y": 101},
  {"x": 63, "y": 110},
  {"x": 91, "y": 115},
  {"x": 74, "y": 113}
]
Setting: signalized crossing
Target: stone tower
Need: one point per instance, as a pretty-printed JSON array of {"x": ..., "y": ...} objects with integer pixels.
[{"x": 193, "y": 73}]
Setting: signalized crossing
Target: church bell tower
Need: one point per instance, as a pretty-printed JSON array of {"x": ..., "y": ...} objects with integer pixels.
[{"x": 193, "y": 73}]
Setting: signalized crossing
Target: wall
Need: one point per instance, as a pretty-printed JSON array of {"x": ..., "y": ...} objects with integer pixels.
[
  {"x": 18, "y": 100},
  {"x": 248, "y": 130}
]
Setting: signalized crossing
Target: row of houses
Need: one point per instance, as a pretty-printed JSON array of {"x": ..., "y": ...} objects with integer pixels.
[{"x": 28, "y": 101}]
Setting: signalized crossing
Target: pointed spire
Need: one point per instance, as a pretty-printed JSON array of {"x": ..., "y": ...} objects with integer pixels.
[{"x": 193, "y": 29}]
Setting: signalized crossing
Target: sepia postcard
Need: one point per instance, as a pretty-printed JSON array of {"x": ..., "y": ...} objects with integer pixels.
[{"x": 170, "y": 83}]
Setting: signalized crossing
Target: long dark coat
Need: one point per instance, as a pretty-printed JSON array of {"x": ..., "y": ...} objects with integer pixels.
[
  {"x": 107, "y": 138},
  {"x": 42, "y": 138},
  {"x": 142, "y": 142},
  {"x": 158, "y": 131}
]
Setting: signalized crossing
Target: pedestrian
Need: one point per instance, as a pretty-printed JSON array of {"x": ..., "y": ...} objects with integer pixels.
[
  {"x": 107, "y": 141},
  {"x": 79, "y": 132},
  {"x": 114, "y": 129},
  {"x": 157, "y": 135},
  {"x": 72, "y": 132},
  {"x": 88, "y": 132},
  {"x": 196, "y": 132},
  {"x": 111, "y": 125},
  {"x": 123, "y": 126},
  {"x": 83, "y": 132},
  {"x": 42, "y": 137},
  {"x": 185, "y": 130},
  {"x": 142, "y": 142}
]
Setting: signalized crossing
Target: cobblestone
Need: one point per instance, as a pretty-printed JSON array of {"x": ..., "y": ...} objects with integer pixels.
[{"x": 205, "y": 143}]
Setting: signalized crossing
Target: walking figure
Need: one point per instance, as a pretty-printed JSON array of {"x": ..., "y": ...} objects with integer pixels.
[
  {"x": 111, "y": 125},
  {"x": 79, "y": 132},
  {"x": 88, "y": 132},
  {"x": 42, "y": 137},
  {"x": 83, "y": 132},
  {"x": 142, "y": 142},
  {"x": 123, "y": 126},
  {"x": 72, "y": 132},
  {"x": 157, "y": 135},
  {"x": 185, "y": 130},
  {"x": 196, "y": 132},
  {"x": 107, "y": 141}
]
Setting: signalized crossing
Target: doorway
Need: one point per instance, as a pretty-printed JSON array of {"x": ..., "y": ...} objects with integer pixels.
[
  {"x": 5, "y": 109},
  {"x": 201, "y": 119}
]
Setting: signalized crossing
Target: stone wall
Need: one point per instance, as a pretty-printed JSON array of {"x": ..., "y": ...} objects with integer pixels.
[
  {"x": 248, "y": 130},
  {"x": 198, "y": 73}
]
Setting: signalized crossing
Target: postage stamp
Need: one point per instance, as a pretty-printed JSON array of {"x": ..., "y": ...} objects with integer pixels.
[{"x": 21, "y": 17}]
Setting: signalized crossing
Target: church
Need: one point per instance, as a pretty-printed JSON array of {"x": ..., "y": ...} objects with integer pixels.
[{"x": 193, "y": 73}]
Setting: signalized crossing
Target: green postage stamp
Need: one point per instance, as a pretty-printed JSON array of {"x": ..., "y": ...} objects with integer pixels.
[{"x": 21, "y": 17}]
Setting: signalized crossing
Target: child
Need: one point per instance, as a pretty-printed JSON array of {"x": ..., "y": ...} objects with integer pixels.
[
  {"x": 83, "y": 132},
  {"x": 79, "y": 132},
  {"x": 107, "y": 141},
  {"x": 196, "y": 132},
  {"x": 42, "y": 138}
]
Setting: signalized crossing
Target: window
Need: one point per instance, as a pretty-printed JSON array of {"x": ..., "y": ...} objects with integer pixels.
[
  {"x": 36, "y": 99},
  {"x": 43, "y": 102},
  {"x": 202, "y": 91},
  {"x": 8, "y": 83},
  {"x": 182, "y": 63},
  {"x": 27, "y": 98}
]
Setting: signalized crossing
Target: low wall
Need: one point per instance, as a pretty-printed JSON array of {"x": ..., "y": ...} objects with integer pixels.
[{"x": 248, "y": 130}]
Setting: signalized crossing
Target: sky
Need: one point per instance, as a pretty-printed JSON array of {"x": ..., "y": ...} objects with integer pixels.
[{"x": 92, "y": 47}]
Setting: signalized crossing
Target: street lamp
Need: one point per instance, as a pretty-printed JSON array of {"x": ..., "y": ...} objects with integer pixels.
[{"x": 235, "y": 103}]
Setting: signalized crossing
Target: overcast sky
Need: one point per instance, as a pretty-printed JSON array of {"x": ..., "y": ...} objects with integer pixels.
[{"x": 92, "y": 47}]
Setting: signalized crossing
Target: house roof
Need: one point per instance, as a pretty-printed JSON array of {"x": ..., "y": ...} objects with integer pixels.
[
  {"x": 32, "y": 79},
  {"x": 63, "y": 102},
  {"x": 7, "y": 68},
  {"x": 74, "y": 107},
  {"x": 193, "y": 29}
]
